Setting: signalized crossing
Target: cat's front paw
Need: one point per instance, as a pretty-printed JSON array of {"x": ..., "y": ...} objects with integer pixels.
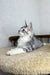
[
  {"x": 15, "y": 51},
  {"x": 9, "y": 53}
]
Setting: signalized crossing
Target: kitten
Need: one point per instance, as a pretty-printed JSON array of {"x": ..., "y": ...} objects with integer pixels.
[{"x": 27, "y": 41}]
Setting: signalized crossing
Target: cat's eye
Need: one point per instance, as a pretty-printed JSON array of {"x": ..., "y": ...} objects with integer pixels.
[{"x": 23, "y": 30}]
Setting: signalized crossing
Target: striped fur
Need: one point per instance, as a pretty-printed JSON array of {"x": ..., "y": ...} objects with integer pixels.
[{"x": 27, "y": 41}]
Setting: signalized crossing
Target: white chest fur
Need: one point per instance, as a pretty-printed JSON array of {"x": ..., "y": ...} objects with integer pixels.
[{"x": 22, "y": 41}]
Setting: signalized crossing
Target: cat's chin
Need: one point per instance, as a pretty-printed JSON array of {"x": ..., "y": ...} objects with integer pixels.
[{"x": 23, "y": 35}]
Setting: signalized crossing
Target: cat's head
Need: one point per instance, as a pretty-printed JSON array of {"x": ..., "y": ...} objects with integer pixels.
[{"x": 26, "y": 30}]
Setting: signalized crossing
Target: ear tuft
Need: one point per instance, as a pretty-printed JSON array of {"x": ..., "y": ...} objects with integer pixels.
[{"x": 26, "y": 23}]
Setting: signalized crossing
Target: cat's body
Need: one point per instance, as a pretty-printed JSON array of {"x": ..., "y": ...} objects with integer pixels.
[{"x": 27, "y": 41}]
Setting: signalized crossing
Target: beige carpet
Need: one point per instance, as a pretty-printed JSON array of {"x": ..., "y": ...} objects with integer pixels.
[{"x": 33, "y": 63}]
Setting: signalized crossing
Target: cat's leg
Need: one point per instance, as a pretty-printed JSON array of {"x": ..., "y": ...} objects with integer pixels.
[
  {"x": 15, "y": 51},
  {"x": 34, "y": 47}
]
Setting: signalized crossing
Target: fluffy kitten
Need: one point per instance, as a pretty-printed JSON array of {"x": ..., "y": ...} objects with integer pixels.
[{"x": 27, "y": 41}]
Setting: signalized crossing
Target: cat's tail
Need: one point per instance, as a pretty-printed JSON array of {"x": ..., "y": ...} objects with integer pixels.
[{"x": 44, "y": 44}]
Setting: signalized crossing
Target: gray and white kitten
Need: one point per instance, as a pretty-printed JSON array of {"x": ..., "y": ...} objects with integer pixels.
[{"x": 27, "y": 41}]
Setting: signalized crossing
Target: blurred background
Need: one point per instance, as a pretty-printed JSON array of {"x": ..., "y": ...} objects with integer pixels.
[{"x": 13, "y": 14}]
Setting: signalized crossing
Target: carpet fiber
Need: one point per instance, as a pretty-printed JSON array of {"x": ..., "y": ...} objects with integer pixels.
[{"x": 33, "y": 63}]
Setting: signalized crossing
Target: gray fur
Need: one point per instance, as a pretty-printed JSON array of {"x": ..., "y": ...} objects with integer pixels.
[{"x": 33, "y": 42}]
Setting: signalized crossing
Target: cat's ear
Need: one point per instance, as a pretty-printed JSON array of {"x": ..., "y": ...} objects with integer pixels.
[
  {"x": 30, "y": 27},
  {"x": 25, "y": 23}
]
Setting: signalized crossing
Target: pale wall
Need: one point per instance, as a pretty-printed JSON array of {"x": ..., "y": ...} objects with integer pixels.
[
  {"x": 13, "y": 13},
  {"x": 44, "y": 16}
]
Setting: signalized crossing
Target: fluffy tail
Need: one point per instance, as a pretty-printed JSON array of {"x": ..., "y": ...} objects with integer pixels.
[{"x": 44, "y": 44}]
